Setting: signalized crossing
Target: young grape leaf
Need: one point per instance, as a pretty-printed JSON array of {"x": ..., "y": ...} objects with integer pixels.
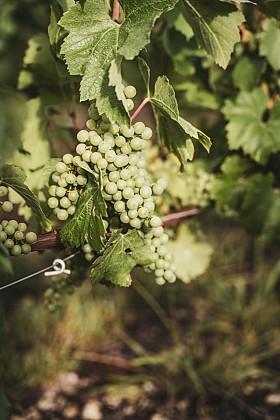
[
  {"x": 175, "y": 133},
  {"x": 86, "y": 224},
  {"x": 247, "y": 128},
  {"x": 270, "y": 42},
  {"x": 95, "y": 40},
  {"x": 192, "y": 257},
  {"x": 215, "y": 26},
  {"x": 121, "y": 253},
  {"x": 14, "y": 177}
]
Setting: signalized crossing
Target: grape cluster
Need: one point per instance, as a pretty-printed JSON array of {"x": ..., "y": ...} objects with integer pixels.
[
  {"x": 14, "y": 237},
  {"x": 6, "y": 206},
  {"x": 69, "y": 181},
  {"x": 115, "y": 153}
]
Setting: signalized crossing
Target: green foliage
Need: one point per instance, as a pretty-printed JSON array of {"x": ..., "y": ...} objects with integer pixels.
[
  {"x": 121, "y": 254},
  {"x": 247, "y": 129},
  {"x": 270, "y": 41},
  {"x": 86, "y": 224},
  {"x": 215, "y": 26},
  {"x": 14, "y": 177}
]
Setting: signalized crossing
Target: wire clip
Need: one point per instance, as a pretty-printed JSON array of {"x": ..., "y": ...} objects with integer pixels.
[{"x": 59, "y": 268}]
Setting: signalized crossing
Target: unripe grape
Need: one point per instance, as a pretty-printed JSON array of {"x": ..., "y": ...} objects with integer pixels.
[
  {"x": 65, "y": 202},
  {"x": 132, "y": 203},
  {"x": 136, "y": 143},
  {"x": 120, "y": 141},
  {"x": 145, "y": 191},
  {"x": 127, "y": 131},
  {"x": 121, "y": 184},
  {"x": 158, "y": 231},
  {"x": 127, "y": 193},
  {"x": 86, "y": 156},
  {"x": 111, "y": 188},
  {"x": 159, "y": 272},
  {"x": 121, "y": 160},
  {"x": 25, "y": 248},
  {"x": 110, "y": 156},
  {"x": 22, "y": 227},
  {"x": 3, "y": 191},
  {"x": 105, "y": 118},
  {"x": 87, "y": 248},
  {"x": 95, "y": 156},
  {"x": 114, "y": 176},
  {"x": 7, "y": 206},
  {"x": 149, "y": 205},
  {"x": 18, "y": 235},
  {"x": 164, "y": 238},
  {"x": 31, "y": 237},
  {"x": 9, "y": 229},
  {"x": 52, "y": 190},
  {"x": 104, "y": 126},
  {"x": 73, "y": 195},
  {"x": 136, "y": 223},
  {"x": 89, "y": 257},
  {"x": 91, "y": 124},
  {"x": 82, "y": 136},
  {"x": 104, "y": 147},
  {"x": 77, "y": 160},
  {"x": 133, "y": 170},
  {"x": 124, "y": 217},
  {"x": 3, "y": 236},
  {"x": 16, "y": 250},
  {"x": 126, "y": 149},
  {"x": 60, "y": 167},
  {"x": 95, "y": 139},
  {"x": 139, "y": 181},
  {"x": 71, "y": 178},
  {"x": 143, "y": 212},
  {"x": 125, "y": 174},
  {"x": 55, "y": 177},
  {"x": 105, "y": 224},
  {"x": 102, "y": 163},
  {"x": 132, "y": 214},
  {"x": 62, "y": 214},
  {"x": 81, "y": 180},
  {"x": 146, "y": 133},
  {"x": 130, "y": 104},
  {"x": 9, "y": 243},
  {"x": 139, "y": 127},
  {"x": 162, "y": 251},
  {"x": 93, "y": 112},
  {"x": 67, "y": 158},
  {"x": 71, "y": 210},
  {"x": 117, "y": 196},
  {"x": 114, "y": 128},
  {"x": 156, "y": 242},
  {"x": 119, "y": 206},
  {"x": 60, "y": 192},
  {"x": 62, "y": 182},
  {"x": 13, "y": 223},
  {"x": 155, "y": 222},
  {"x": 130, "y": 91},
  {"x": 158, "y": 189},
  {"x": 160, "y": 281}
]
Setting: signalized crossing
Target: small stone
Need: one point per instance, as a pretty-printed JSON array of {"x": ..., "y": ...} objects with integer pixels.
[
  {"x": 46, "y": 405},
  {"x": 158, "y": 416},
  {"x": 71, "y": 412},
  {"x": 91, "y": 411},
  {"x": 272, "y": 399},
  {"x": 68, "y": 383}
]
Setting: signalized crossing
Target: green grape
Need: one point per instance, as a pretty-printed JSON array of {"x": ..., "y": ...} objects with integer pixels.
[
  {"x": 124, "y": 217},
  {"x": 71, "y": 210},
  {"x": 111, "y": 188},
  {"x": 65, "y": 202},
  {"x": 9, "y": 229},
  {"x": 136, "y": 143},
  {"x": 81, "y": 180},
  {"x": 22, "y": 227},
  {"x": 127, "y": 131},
  {"x": 121, "y": 184},
  {"x": 91, "y": 124},
  {"x": 132, "y": 214},
  {"x": 31, "y": 237},
  {"x": 130, "y": 92},
  {"x": 60, "y": 192},
  {"x": 3, "y": 191},
  {"x": 136, "y": 223},
  {"x": 60, "y": 167},
  {"x": 145, "y": 191},
  {"x": 62, "y": 214},
  {"x": 121, "y": 160},
  {"x": 139, "y": 127},
  {"x": 126, "y": 149},
  {"x": 3, "y": 236},
  {"x": 52, "y": 190},
  {"x": 132, "y": 203},
  {"x": 143, "y": 212},
  {"x": 110, "y": 156},
  {"x": 7, "y": 206},
  {"x": 67, "y": 158},
  {"x": 119, "y": 206},
  {"x": 83, "y": 136},
  {"x": 52, "y": 202},
  {"x": 102, "y": 163},
  {"x": 129, "y": 104},
  {"x": 146, "y": 133},
  {"x": 62, "y": 182},
  {"x": 70, "y": 178},
  {"x": 158, "y": 189},
  {"x": 16, "y": 250},
  {"x": 128, "y": 193},
  {"x": 73, "y": 195},
  {"x": 9, "y": 243},
  {"x": 25, "y": 248},
  {"x": 13, "y": 223},
  {"x": 95, "y": 156},
  {"x": 155, "y": 222},
  {"x": 117, "y": 196},
  {"x": 120, "y": 141},
  {"x": 114, "y": 176},
  {"x": 95, "y": 139}
]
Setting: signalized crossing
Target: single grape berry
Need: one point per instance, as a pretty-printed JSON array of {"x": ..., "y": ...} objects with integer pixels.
[
  {"x": 3, "y": 191},
  {"x": 31, "y": 237},
  {"x": 7, "y": 206}
]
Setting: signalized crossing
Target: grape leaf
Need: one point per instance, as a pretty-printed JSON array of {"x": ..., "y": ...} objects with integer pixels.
[
  {"x": 270, "y": 42},
  {"x": 192, "y": 257},
  {"x": 121, "y": 253},
  {"x": 95, "y": 40},
  {"x": 175, "y": 132},
  {"x": 86, "y": 224},
  {"x": 246, "y": 128},
  {"x": 215, "y": 26},
  {"x": 247, "y": 72},
  {"x": 14, "y": 177}
]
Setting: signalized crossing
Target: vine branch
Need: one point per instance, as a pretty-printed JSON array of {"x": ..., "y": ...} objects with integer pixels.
[
  {"x": 116, "y": 11},
  {"x": 50, "y": 240}
]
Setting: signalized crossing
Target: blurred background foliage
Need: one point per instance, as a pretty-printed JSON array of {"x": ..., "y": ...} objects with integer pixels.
[{"x": 216, "y": 331}]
